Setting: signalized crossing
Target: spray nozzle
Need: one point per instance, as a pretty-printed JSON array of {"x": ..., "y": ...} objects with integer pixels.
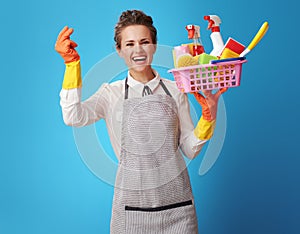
[
  {"x": 193, "y": 31},
  {"x": 213, "y": 22}
]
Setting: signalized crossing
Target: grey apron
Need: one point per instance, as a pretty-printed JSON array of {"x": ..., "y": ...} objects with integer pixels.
[{"x": 152, "y": 188}]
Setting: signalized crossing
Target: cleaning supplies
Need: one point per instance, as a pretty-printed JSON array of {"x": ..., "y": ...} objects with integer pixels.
[
  {"x": 232, "y": 49},
  {"x": 260, "y": 34},
  {"x": 196, "y": 70},
  {"x": 194, "y": 33},
  {"x": 214, "y": 25}
]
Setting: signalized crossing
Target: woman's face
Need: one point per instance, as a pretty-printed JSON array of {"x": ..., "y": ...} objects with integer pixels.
[{"x": 137, "y": 48}]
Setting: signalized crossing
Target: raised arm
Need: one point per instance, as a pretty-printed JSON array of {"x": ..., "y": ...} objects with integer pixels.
[{"x": 75, "y": 112}]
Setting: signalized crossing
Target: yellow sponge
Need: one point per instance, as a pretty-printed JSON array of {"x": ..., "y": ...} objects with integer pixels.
[
  {"x": 228, "y": 53},
  {"x": 186, "y": 60}
]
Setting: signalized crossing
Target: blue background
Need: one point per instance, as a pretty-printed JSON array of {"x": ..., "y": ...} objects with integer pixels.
[{"x": 45, "y": 187}]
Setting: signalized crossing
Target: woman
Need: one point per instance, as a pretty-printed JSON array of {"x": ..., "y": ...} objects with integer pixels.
[{"x": 152, "y": 187}]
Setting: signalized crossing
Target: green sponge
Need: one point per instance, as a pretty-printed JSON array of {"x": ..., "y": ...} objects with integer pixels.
[{"x": 206, "y": 58}]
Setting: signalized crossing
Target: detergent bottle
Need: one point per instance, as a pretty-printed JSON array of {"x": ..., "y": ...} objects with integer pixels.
[
  {"x": 214, "y": 25},
  {"x": 194, "y": 33}
]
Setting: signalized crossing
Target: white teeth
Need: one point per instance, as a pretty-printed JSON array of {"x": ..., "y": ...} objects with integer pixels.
[{"x": 140, "y": 58}]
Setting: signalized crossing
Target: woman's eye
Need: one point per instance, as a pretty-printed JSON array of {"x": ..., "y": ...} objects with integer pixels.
[
  {"x": 129, "y": 44},
  {"x": 145, "y": 42}
]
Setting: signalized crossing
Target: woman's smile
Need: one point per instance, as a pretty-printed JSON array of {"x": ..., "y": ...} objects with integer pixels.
[{"x": 139, "y": 58}]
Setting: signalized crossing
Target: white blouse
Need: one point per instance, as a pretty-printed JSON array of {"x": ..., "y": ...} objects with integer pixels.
[{"x": 107, "y": 103}]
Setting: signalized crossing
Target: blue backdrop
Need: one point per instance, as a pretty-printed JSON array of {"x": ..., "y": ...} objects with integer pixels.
[{"x": 45, "y": 187}]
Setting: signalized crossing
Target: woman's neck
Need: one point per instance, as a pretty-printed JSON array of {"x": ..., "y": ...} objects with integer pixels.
[{"x": 142, "y": 76}]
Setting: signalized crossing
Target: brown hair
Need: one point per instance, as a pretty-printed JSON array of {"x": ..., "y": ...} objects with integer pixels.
[{"x": 134, "y": 17}]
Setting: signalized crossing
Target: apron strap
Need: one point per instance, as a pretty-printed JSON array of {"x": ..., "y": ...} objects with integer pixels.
[
  {"x": 160, "y": 82},
  {"x": 126, "y": 88},
  {"x": 165, "y": 88}
]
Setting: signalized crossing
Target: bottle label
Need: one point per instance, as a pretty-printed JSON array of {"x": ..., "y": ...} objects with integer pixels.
[{"x": 198, "y": 49}]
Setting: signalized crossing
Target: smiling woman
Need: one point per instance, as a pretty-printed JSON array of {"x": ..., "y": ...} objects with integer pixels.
[
  {"x": 152, "y": 188},
  {"x": 137, "y": 49}
]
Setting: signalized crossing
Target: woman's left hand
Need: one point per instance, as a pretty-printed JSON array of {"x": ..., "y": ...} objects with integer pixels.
[{"x": 209, "y": 103}]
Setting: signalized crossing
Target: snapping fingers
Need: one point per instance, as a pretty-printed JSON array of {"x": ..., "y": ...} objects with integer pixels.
[{"x": 65, "y": 34}]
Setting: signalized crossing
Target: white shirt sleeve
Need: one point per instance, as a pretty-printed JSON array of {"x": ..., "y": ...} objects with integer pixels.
[
  {"x": 189, "y": 143},
  {"x": 77, "y": 113}
]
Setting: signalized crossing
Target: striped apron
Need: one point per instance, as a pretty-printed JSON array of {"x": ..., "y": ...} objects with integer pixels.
[{"x": 152, "y": 188}]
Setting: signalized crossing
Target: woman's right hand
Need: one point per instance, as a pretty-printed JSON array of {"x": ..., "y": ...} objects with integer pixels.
[
  {"x": 65, "y": 46},
  {"x": 209, "y": 103}
]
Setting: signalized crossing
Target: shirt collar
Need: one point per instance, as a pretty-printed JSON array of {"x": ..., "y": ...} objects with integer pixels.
[{"x": 139, "y": 85}]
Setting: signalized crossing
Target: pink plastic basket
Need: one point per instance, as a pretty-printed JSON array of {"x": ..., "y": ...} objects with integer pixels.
[{"x": 208, "y": 76}]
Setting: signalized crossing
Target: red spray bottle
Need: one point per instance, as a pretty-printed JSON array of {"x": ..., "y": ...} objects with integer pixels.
[{"x": 194, "y": 33}]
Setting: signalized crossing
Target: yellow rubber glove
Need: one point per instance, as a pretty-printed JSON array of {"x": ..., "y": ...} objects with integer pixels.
[
  {"x": 206, "y": 125},
  {"x": 72, "y": 77},
  {"x": 66, "y": 48},
  {"x": 204, "y": 129}
]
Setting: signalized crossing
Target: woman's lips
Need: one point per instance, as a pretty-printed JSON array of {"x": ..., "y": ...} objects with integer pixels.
[{"x": 139, "y": 59}]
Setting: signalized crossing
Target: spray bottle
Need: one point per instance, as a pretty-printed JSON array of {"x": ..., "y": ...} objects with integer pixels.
[
  {"x": 194, "y": 33},
  {"x": 214, "y": 25}
]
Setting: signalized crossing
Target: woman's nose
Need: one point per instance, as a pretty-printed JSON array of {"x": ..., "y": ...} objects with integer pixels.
[{"x": 138, "y": 48}]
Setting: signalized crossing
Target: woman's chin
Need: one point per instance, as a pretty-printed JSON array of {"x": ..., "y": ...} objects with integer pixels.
[{"x": 140, "y": 68}]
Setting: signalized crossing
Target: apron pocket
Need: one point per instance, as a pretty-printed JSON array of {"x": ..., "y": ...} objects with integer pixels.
[
  {"x": 160, "y": 208},
  {"x": 174, "y": 218}
]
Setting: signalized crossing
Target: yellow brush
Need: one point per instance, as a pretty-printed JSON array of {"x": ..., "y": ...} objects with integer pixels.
[{"x": 259, "y": 35}]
